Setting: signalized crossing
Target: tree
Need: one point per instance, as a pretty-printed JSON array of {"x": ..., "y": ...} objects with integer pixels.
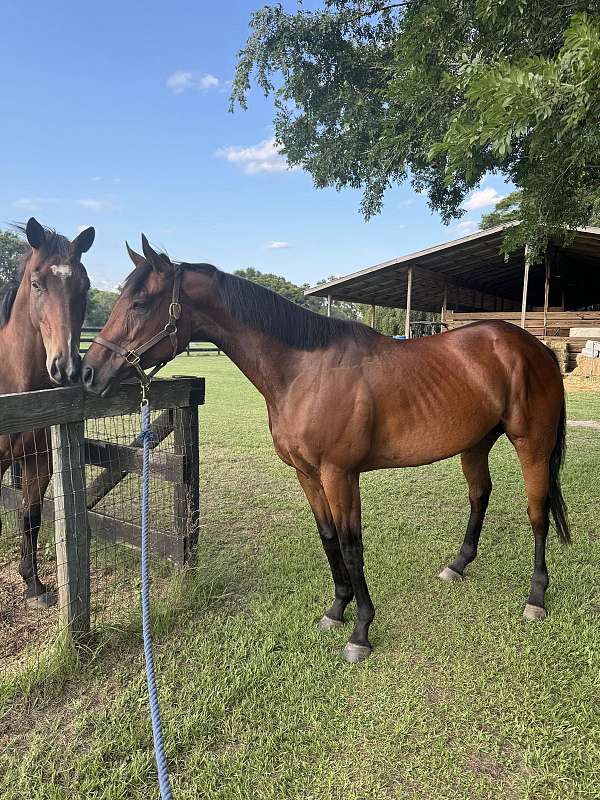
[
  {"x": 370, "y": 93},
  {"x": 539, "y": 119},
  {"x": 341, "y": 308},
  {"x": 99, "y": 306},
  {"x": 12, "y": 249},
  {"x": 509, "y": 210},
  {"x": 282, "y": 286},
  {"x": 390, "y": 321},
  {"x": 506, "y": 210}
]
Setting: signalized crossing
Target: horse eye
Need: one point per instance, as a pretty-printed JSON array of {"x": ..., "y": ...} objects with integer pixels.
[{"x": 35, "y": 285}]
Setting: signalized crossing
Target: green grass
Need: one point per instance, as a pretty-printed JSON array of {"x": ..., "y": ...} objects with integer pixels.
[{"x": 461, "y": 698}]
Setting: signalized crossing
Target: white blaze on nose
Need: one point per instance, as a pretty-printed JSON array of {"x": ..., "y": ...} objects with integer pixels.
[{"x": 62, "y": 270}]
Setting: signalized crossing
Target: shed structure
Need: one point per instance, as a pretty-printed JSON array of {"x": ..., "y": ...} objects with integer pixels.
[{"x": 469, "y": 279}]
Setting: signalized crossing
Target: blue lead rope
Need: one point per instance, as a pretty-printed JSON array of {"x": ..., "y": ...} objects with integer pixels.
[{"x": 159, "y": 748}]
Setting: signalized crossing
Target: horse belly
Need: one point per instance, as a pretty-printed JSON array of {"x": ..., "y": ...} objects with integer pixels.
[{"x": 433, "y": 426}]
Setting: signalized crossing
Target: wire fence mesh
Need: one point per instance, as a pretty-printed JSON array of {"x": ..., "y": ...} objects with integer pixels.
[{"x": 32, "y": 564}]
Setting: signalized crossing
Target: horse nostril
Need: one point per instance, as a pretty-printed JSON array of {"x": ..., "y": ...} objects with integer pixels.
[
  {"x": 73, "y": 369},
  {"x": 87, "y": 375},
  {"x": 55, "y": 371}
]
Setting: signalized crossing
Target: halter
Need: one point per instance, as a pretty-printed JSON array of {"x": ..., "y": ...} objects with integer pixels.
[{"x": 132, "y": 357}]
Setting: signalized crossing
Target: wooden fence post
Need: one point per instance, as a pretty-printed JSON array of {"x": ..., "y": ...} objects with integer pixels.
[
  {"x": 187, "y": 493},
  {"x": 71, "y": 527}
]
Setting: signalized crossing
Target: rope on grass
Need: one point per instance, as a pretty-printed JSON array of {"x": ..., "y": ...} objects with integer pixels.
[{"x": 164, "y": 784}]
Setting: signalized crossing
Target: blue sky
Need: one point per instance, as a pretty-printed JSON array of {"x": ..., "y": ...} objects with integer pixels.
[{"x": 115, "y": 114}]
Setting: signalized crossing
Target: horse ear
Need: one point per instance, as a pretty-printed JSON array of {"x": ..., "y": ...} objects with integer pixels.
[
  {"x": 83, "y": 242},
  {"x": 36, "y": 236},
  {"x": 157, "y": 261},
  {"x": 137, "y": 259}
]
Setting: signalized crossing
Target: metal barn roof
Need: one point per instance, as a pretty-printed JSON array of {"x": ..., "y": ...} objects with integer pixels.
[{"x": 472, "y": 268}]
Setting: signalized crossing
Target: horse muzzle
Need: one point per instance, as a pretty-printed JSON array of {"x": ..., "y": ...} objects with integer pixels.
[{"x": 64, "y": 370}]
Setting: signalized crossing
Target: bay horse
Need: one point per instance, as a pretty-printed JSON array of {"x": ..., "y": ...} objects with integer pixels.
[
  {"x": 343, "y": 399},
  {"x": 41, "y": 315}
]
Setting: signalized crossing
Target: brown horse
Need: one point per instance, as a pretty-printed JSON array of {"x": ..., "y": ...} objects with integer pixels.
[
  {"x": 40, "y": 325},
  {"x": 342, "y": 399}
]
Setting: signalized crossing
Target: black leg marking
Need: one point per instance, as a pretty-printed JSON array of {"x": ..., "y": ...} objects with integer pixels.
[
  {"x": 28, "y": 568},
  {"x": 468, "y": 551},
  {"x": 339, "y": 573}
]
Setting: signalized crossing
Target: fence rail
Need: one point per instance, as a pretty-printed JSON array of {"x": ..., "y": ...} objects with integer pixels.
[{"x": 73, "y": 507}]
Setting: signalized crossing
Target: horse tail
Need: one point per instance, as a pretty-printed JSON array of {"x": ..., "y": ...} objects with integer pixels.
[{"x": 558, "y": 507}]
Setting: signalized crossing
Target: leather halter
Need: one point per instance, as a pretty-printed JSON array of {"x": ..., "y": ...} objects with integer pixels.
[{"x": 132, "y": 357}]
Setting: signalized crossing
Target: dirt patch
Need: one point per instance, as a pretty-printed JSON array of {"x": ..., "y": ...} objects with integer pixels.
[
  {"x": 583, "y": 423},
  {"x": 25, "y": 629},
  {"x": 21, "y": 625},
  {"x": 485, "y": 764}
]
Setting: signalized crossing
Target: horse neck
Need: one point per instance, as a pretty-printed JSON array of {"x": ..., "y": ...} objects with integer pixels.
[
  {"x": 269, "y": 364},
  {"x": 24, "y": 362}
]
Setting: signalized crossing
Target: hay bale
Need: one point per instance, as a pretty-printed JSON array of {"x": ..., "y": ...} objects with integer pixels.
[
  {"x": 560, "y": 348},
  {"x": 587, "y": 367}
]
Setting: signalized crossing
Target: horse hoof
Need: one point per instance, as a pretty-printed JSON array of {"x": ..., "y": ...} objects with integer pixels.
[
  {"x": 534, "y": 612},
  {"x": 42, "y": 601},
  {"x": 355, "y": 653},
  {"x": 327, "y": 624},
  {"x": 448, "y": 574}
]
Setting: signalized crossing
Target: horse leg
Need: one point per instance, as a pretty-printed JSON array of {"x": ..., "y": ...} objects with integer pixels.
[
  {"x": 36, "y": 476},
  {"x": 536, "y": 474},
  {"x": 343, "y": 495},
  {"x": 334, "y": 617},
  {"x": 4, "y": 465},
  {"x": 475, "y": 468}
]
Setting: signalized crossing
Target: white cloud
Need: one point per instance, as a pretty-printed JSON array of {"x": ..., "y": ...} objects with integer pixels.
[
  {"x": 482, "y": 198},
  {"x": 94, "y": 204},
  {"x": 180, "y": 80},
  {"x": 277, "y": 245},
  {"x": 102, "y": 283},
  {"x": 261, "y": 157},
  {"x": 35, "y": 203},
  {"x": 466, "y": 227}
]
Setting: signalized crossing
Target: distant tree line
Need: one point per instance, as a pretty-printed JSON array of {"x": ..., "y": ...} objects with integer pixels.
[{"x": 12, "y": 250}]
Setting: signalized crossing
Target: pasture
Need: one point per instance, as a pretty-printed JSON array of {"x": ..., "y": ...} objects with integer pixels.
[{"x": 461, "y": 699}]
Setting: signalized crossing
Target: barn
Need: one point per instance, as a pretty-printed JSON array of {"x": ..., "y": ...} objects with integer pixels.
[{"x": 469, "y": 279}]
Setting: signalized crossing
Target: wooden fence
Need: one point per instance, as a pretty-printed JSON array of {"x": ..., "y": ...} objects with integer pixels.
[{"x": 73, "y": 505}]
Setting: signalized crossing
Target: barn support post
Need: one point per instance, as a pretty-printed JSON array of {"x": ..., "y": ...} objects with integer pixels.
[
  {"x": 187, "y": 493},
  {"x": 71, "y": 531},
  {"x": 328, "y": 305},
  {"x": 444, "y": 304},
  {"x": 546, "y": 290},
  {"x": 525, "y": 286},
  {"x": 408, "y": 302},
  {"x": 373, "y": 315}
]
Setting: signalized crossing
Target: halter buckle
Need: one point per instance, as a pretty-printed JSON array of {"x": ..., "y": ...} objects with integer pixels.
[
  {"x": 170, "y": 328},
  {"x": 175, "y": 310},
  {"x": 132, "y": 358}
]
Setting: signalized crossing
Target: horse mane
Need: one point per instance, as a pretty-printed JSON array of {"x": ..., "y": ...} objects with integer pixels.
[
  {"x": 267, "y": 311},
  {"x": 55, "y": 245},
  {"x": 293, "y": 325}
]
